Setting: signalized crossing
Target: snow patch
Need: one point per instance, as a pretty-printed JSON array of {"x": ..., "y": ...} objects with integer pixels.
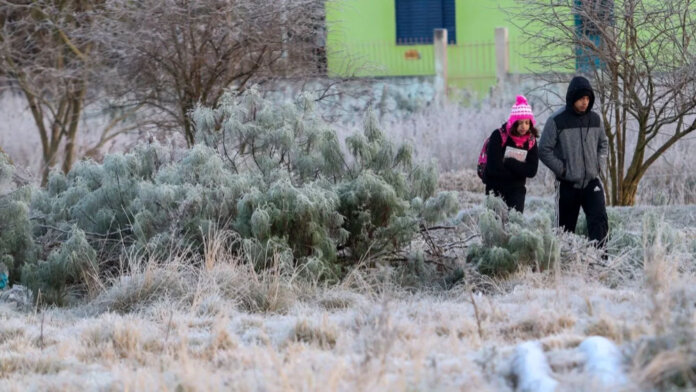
[
  {"x": 603, "y": 362},
  {"x": 532, "y": 369}
]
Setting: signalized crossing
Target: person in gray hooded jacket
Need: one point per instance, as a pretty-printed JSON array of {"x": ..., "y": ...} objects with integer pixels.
[{"x": 574, "y": 146}]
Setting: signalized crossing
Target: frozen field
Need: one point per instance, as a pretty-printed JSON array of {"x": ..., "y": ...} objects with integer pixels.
[{"x": 224, "y": 327}]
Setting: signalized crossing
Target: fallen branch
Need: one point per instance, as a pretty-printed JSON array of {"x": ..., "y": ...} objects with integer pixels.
[
  {"x": 433, "y": 228},
  {"x": 425, "y": 232}
]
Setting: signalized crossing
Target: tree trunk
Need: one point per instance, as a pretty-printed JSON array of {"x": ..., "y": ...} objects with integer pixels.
[
  {"x": 71, "y": 137},
  {"x": 629, "y": 189},
  {"x": 49, "y": 159},
  {"x": 189, "y": 129}
]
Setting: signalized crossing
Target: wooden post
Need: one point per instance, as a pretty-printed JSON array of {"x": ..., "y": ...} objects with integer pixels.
[
  {"x": 440, "y": 51},
  {"x": 502, "y": 54}
]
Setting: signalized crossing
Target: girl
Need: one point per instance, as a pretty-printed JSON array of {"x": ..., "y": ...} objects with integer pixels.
[{"x": 512, "y": 156}]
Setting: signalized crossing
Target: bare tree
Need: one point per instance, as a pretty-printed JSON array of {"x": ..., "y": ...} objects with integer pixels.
[
  {"x": 46, "y": 52},
  {"x": 176, "y": 54},
  {"x": 641, "y": 58},
  {"x": 167, "y": 55},
  {"x": 40, "y": 54}
]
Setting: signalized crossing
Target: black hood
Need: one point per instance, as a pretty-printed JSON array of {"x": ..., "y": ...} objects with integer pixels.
[{"x": 578, "y": 88}]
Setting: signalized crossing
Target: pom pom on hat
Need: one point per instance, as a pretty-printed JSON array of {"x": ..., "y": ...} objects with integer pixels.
[{"x": 520, "y": 111}]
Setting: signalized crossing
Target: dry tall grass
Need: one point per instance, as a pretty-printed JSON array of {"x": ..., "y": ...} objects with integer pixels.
[{"x": 223, "y": 326}]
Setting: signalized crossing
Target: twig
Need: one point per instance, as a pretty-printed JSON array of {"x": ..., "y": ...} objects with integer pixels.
[
  {"x": 476, "y": 312},
  {"x": 459, "y": 244},
  {"x": 41, "y": 336},
  {"x": 429, "y": 240},
  {"x": 169, "y": 327},
  {"x": 423, "y": 228}
]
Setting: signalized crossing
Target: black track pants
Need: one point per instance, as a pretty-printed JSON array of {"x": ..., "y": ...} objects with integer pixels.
[
  {"x": 591, "y": 199},
  {"x": 513, "y": 197}
]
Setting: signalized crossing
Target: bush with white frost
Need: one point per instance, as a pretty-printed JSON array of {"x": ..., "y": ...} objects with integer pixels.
[
  {"x": 369, "y": 199},
  {"x": 73, "y": 263},
  {"x": 16, "y": 245},
  {"x": 276, "y": 175},
  {"x": 510, "y": 240}
]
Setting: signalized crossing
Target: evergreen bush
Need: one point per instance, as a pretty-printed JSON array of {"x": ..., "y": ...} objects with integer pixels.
[
  {"x": 16, "y": 242},
  {"x": 275, "y": 174},
  {"x": 510, "y": 240},
  {"x": 74, "y": 263},
  {"x": 369, "y": 199}
]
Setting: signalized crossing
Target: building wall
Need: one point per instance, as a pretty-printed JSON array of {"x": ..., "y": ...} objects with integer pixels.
[{"x": 361, "y": 41}]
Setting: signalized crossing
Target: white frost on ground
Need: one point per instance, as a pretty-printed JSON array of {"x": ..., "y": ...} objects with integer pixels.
[
  {"x": 604, "y": 362},
  {"x": 392, "y": 341}
]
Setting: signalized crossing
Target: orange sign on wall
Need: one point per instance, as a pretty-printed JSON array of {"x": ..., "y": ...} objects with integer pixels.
[{"x": 412, "y": 54}]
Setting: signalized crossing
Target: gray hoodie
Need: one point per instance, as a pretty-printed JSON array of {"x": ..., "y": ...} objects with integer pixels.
[{"x": 574, "y": 145}]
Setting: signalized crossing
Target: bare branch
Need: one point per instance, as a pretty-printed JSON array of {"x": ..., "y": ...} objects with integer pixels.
[{"x": 646, "y": 78}]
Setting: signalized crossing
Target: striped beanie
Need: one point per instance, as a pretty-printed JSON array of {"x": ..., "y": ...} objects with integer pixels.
[{"x": 520, "y": 111}]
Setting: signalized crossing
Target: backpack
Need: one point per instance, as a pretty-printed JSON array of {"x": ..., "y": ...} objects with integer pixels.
[{"x": 483, "y": 156}]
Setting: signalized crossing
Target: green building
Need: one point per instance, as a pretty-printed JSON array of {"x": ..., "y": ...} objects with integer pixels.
[{"x": 385, "y": 38}]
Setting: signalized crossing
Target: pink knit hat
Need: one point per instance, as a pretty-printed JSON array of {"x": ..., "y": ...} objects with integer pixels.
[{"x": 520, "y": 111}]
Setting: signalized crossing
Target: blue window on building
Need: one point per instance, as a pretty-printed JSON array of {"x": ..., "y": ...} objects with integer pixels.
[
  {"x": 416, "y": 20},
  {"x": 590, "y": 17}
]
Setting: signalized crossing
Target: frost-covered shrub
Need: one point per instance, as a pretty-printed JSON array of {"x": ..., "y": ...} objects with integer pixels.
[
  {"x": 369, "y": 199},
  {"x": 88, "y": 216},
  {"x": 275, "y": 175},
  {"x": 16, "y": 243},
  {"x": 510, "y": 239},
  {"x": 73, "y": 263}
]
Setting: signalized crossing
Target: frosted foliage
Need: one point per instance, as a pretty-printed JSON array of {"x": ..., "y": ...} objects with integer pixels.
[
  {"x": 657, "y": 231},
  {"x": 358, "y": 202},
  {"x": 6, "y": 170},
  {"x": 261, "y": 224},
  {"x": 16, "y": 245},
  {"x": 73, "y": 263},
  {"x": 305, "y": 216},
  {"x": 632, "y": 231},
  {"x": 510, "y": 239},
  {"x": 496, "y": 261},
  {"x": 492, "y": 230},
  {"x": 275, "y": 175},
  {"x": 264, "y": 254},
  {"x": 425, "y": 181},
  {"x": 498, "y": 206},
  {"x": 436, "y": 207}
]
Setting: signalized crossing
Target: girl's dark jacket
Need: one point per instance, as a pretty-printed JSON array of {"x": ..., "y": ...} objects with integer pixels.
[{"x": 509, "y": 173}]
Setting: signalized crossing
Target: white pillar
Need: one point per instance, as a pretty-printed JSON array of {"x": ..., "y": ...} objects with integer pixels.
[
  {"x": 502, "y": 54},
  {"x": 440, "y": 51}
]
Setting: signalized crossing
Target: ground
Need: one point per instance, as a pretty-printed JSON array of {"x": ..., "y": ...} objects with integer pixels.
[{"x": 225, "y": 327}]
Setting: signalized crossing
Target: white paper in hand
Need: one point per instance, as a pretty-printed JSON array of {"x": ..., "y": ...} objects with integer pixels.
[{"x": 515, "y": 153}]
